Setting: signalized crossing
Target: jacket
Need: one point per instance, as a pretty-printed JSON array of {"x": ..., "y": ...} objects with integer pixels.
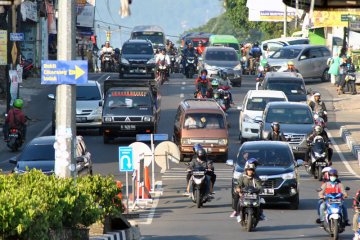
[
  {"x": 276, "y": 137},
  {"x": 323, "y": 135},
  {"x": 246, "y": 181},
  {"x": 196, "y": 164},
  {"x": 15, "y": 118},
  {"x": 328, "y": 187},
  {"x": 317, "y": 106}
]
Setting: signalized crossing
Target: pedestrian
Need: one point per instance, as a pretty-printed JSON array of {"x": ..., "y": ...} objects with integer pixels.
[
  {"x": 334, "y": 63},
  {"x": 342, "y": 75}
]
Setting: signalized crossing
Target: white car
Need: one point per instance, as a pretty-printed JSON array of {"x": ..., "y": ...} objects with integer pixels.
[{"x": 252, "y": 109}]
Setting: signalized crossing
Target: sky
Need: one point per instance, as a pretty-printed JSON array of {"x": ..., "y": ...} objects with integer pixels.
[{"x": 174, "y": 16}]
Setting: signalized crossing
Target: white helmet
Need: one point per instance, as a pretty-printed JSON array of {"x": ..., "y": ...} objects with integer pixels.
[{"x": 326, "y": 169}]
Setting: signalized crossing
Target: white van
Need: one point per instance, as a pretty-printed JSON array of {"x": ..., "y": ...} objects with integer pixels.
[
  {"x": 253, "y": 106},
  {"x": 268, "y": 47}
]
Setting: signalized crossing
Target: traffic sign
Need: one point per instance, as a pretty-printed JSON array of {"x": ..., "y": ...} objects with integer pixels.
[
  {"x": 16, "y": 37},
  {"x": 64, "y": 72},
  {"x": 126, "y": 159},
  {"x": 147, "y": 137}
]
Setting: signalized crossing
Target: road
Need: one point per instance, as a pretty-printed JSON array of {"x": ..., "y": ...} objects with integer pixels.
[{"x": 173, "y": 216}]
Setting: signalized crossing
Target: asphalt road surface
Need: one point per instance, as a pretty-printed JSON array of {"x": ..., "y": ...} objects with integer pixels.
[{"x": 172, "y": 216}]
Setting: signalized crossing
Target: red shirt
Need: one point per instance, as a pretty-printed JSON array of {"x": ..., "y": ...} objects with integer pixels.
[
  {"x": 15, "y": 118},
  {"x": 200, "y": 50}
]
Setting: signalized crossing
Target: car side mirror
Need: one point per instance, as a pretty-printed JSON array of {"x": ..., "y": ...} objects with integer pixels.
[
  {"x": 230, "y": 162},
  {"x": 100, "y": 104},
  {"x": 80, "y": 159},
  {"x": 299, "y": 162},
  {"x": 51, "y": 96},
  {"x": 303, "y": 57}
]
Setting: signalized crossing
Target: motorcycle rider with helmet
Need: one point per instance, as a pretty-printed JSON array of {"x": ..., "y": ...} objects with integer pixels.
[
  {"x": 248, "y": 179},
  {"x": 162, "y": 56},
  {"x": 106, "y": 49},
  {"x": 254, "y": 54},
  {"x": 318, "y": 106},
  {"x": 263, "y": 69},
  {"x": 291, "y": 67},
  {"x": 203, "y": 81},
  {"x": 275, "y": 134},
  {"x": 325, "y": 174},
  {"x": 332, "y": 186},
  {"x": 200, "y": 162},
  {"x": 15, "y": 119},
  {"x": 319, "y": 131},
  {"x": 188, "y": 51}
]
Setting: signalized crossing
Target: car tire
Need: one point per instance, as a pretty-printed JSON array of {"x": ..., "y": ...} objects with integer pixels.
[
  {"x": 294, "y": 205},
  {"x": 325, "y": 76}
]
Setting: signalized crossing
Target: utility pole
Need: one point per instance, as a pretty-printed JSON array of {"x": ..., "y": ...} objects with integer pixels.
[
  {"x": 285, "y": 20},
  {"x": 296, "y": 13},
  {"x": 65, "y": 162}
]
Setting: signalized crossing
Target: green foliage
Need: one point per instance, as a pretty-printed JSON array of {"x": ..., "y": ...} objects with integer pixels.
[
  {"x": 235, "y": 22},
  {"x": 31, "y": 204}
]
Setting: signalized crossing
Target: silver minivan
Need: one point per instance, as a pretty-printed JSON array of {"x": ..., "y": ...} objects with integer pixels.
[{"x": 310, "y": 60}]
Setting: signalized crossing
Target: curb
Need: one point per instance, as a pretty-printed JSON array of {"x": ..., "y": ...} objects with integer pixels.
[
  {"x": 132, "y": 233},
  {"x": 352, "y": 144}
]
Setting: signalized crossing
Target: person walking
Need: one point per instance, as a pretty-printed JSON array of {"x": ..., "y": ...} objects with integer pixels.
[{"x": 334, "y": 63}]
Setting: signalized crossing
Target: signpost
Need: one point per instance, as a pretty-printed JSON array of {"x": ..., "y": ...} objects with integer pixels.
[
  {"x": 64, "y": 72},
  {"x": 17, "y": 37},
  {"x": 126, "y": 164}
]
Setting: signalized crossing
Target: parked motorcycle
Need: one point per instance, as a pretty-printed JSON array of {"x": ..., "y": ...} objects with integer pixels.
[
  {"x": 250, "y": 208},
  {"x": 162, "y": 71},
  {"x": 318, "y": 157},
  {"x": 334, "y": 222},
  {"x": 198, "y": 181}
]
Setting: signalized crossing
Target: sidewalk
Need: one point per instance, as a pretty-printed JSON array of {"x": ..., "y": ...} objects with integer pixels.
[{"x": 346, "y": 111}]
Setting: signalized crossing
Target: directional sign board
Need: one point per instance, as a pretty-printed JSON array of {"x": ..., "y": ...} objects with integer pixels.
[
  {"x": 147, "y": 137},
  {"x": 16, "y": 37},
  {"x": 64, "y": 72},
  {"x": 126, "y": 159}
]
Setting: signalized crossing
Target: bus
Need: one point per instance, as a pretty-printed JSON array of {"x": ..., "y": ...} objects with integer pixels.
[{"x": 153, "y": 33}]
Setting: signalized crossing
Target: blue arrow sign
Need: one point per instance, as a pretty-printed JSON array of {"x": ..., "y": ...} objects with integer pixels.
[
  {"x": 64, "y": 72},
  {"x": 125, "y": 159},
  {"x": 147, "y": 137}
]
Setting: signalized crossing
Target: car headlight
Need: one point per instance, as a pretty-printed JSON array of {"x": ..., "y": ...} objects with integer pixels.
[
  {"x": 290, "y": 175},
  {"x": 237, "y": 174},
  {"x": 283, "y": 68},
  {"x": 248, "y": 119},
  {"x": 108, "y": 119},
  {"x": 98, "y": 111},
  {"x": 237, "y": 67},
  {"x": 222, "y": 141},
  {"x": 147, "y": 119},
  {"x": 151, "y": 61},
  {"x": 124, "y": 61},
  {"x": 186, "y": 141}
]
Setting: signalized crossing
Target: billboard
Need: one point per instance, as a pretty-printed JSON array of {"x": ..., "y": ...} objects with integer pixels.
[
  {"x": 333, "y": 17},
  {"x": 269, "y": 11}
]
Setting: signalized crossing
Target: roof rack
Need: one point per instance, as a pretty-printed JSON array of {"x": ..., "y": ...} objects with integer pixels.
[
  {"x": 185, "y": 101},
  {"x": 111, "y": 83}
]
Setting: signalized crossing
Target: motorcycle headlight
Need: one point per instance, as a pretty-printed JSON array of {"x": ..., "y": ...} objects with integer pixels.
[
  {"x": 186, "y": 141},
  {"x": 287, "y": 176},
  {"x": 108, "y": 119},
  {"x": 237, "y": 67},
  {"x": 317, "y": 155},
  {"x": 248, "y": 119},
  {"x": 222, "y": 141},
  {"x": 334, "y": 210},
  {"x": 198, "y": 180},
  {"x": 151, "y": 61},
  {"x": 124, "y": 61},
  {"x": 323, "y": 154},
  {"x": 147, "y": 119}
]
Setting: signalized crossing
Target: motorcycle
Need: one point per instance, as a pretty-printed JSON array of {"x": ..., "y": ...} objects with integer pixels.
[
  {"x": 174, "y": 63},
  {"x": 250, "y": 208},
  {"x": 223, "y": 99},
  {"x": 108, "y": 62},
  {"x": 162, "y": 72},
  {"x": 14, "y": 139},
  {"x": 321, "y": 114},
  {"x": 318, "y": 157},
  {"x": 202, "y": 92},
  {"x": 27, "y": 65},
  {"x": 319, "y": 121},
  {"x": 334, "y": 222},
  {"x": 198, "y": 181},
  {"x": 190, "y": 66}
]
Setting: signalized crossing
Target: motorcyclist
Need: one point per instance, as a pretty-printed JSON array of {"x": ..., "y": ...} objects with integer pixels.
[
  {"x": 162, "y": 56},
  {"x": 318, "y": 106},
  {"x": 200, "y": 48},
  {"x": 117, "y": 55},
  {"x": 332, "y": 186},
  {"x": 188, "y": 51},
  {"x": 248, "y": 179},
  {"x": 325, "y": 177},
  {"x": 291, "y": 67},
  {"x": 263, "y": 69},
  {"x": 200, "y": 162},
  {"x": 106, "y": 49},
  {"x": 201, "y": 82},
  {"x": 319, "y": 131},
  {"x": 275, "y": 134},
  {"x": 225, "y": 83},
  {"x": 254, "y": 54},
  {"x": 15, "y": 119}
]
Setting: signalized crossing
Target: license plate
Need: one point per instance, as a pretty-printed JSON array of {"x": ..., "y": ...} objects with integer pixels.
[
  {"x": 81, "y": 119},
  {"x": 322, "y": 164},
  {"x": 128, "y": 127},
  {"x": 268, "y": 191},
  {"x": 13, "y": 135},
  {"x": 301, "y": 149}
]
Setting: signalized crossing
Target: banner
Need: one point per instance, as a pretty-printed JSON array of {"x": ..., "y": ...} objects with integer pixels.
[
  {"x": 85, "y": 16},
  {"x": 3, "y": 47},
  {"x": 333, "y": 18},
  {"x": 269, "y": 11}
]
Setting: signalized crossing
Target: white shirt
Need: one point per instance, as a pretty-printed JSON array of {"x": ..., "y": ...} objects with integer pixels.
[
  {"x": 161, "y": 57},
  {"x": 107, "y": 50}
]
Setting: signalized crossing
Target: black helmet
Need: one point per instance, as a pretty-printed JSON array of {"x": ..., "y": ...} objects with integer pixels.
[
  {"x": 201, "y": 154},
  {"x": 204, "y": 71},
  {"x": 256, "y": 44},
  {"x": 275, "y": 124},
  {"x": 197, "y": 146}
]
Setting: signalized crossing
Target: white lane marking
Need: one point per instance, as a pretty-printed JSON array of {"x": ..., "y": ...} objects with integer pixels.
[
  {"x": 342, "y": 158},
  {"x": 183, "y": 83},
  {"x": 44, "y": 130},
  {"x": 182, "y": 95},
  {"x": 150, "y": 217}
]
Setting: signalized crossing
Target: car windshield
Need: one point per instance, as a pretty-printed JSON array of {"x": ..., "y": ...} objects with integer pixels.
[
  {"x": 204, "y": 121},
  {"x": 38, "y": 153},
  {"x": 289, "y": 88},
  {"x": 86, "y": 93},
  {"x": 127, "y": 99},
  {"x": 286, "y": 53},
  {"x": 221, "y": 56},
  {"x": 154, "y": 37},
  {"x": 259, "y": 103},
  {"x": 267, "y": 156},
  {"x": 137, "y": 48},
  {"x": 289, "y": 115}
]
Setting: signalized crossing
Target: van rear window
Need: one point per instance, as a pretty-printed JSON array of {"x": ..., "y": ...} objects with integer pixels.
[{"x": 204, "y": 121}]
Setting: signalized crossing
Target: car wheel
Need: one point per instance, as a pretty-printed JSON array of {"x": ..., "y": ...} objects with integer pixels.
[
  {"x": 325, "y": 76},
  {"x": 294, "y": 205}
]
